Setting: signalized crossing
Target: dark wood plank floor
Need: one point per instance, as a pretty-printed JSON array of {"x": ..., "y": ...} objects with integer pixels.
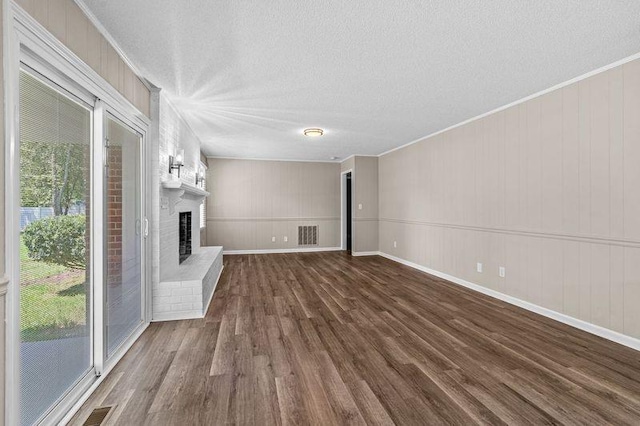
[{"x": 323, "y": 338}]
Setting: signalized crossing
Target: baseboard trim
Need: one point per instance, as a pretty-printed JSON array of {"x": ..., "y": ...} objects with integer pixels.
[
  {"x": 187, "y": 315},
  {"x": 277, "y": 251},
  {"x": 605, "y": 333},
  {"x": 365, "y": 253},
  {"x": 177, "y": 316}
]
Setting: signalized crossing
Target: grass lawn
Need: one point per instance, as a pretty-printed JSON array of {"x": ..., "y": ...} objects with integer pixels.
[
  {"x": 33, "y": 272},
  {"x": 52, "y": 300}
]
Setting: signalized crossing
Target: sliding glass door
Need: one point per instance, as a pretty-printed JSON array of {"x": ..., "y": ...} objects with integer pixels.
[
  {"x": 55, "y": 244},
  {"x": 81, "y": 242},
  {"x": 123, "y": 224}
]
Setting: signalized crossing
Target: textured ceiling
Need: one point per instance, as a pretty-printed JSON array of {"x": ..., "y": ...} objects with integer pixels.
[{"x": 248, "y": 76}]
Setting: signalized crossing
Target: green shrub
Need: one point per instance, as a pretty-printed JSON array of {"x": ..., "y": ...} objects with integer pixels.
[{"x": 57, "y": 239}]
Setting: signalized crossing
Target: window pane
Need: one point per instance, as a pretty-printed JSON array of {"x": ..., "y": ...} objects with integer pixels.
[
  {"x": 123, "y": 293},
  {"x": 55, "y": 327},
  {"x": 203, "y": 206}
]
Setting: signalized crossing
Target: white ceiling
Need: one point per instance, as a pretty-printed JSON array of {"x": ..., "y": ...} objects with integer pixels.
[{"x": 248, "y": 76}]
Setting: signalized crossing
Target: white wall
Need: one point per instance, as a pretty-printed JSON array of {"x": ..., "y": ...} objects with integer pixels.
[{"x": 174, "y": 134}]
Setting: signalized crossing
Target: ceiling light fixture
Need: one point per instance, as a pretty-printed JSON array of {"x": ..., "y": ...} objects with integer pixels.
[{"x": 313, "y": 132}]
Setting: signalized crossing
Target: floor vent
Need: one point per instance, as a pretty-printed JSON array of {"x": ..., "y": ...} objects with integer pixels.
[
  {"x": 308, "y": 235},
  {"x": 97, "y": 416}
]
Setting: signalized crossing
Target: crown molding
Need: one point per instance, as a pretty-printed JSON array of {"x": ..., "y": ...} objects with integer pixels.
[
  {"x": 273, "y": 159},
  {"x": 522, "y": 100}
]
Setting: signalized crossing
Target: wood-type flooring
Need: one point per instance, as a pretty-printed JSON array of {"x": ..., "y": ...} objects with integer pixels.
[{"x": 326, "y": 338}]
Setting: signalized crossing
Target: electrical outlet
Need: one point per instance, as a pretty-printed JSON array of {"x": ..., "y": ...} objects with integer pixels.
[
  {"x": 479, "y": 267},
  {"x": 286, "y": 239},
  {"x": 359, "y": 206},
  {"x": 501, "y": 271},
  {"x": 395, "y": 244},
  {"x": 273, "y": 239}
]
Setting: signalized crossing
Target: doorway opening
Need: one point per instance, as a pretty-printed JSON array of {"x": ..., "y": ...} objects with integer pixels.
[{"x": 347, "y": 225}]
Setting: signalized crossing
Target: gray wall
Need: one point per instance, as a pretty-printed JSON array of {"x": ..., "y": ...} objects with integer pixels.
[
  {"x": 549, "y": 189},
  {"x": 365, "y": 204},
  {"x": 68, "y": 23},
  {"x": 253, "y": 201},
  {"x": 348, "y": 164}
]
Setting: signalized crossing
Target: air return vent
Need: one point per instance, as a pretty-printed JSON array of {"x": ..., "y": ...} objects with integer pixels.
[
  {"x": 97, "y": 416},
  {"x": 308, "y": 235}
]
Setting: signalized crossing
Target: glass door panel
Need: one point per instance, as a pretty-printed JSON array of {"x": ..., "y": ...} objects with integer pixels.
[
  {"x": 55, "y": 194},
  {"x": 123, "y": 222}
]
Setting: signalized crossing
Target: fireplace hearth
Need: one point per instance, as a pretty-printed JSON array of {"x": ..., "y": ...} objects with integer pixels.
[{"x": 184, "y": 226}]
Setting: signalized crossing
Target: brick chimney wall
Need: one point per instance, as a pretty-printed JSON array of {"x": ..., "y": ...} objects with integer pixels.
[{"x": 114, "y": 216}]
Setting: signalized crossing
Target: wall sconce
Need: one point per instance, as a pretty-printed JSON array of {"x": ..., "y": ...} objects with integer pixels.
[
  {"x": 199, "y": 179},
  {"x": 175, "y": 163},
  {"x": 200, "y": 176}
]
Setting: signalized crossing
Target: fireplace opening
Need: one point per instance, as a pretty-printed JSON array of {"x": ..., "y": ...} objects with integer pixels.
[{"x": 185, "y": 235}]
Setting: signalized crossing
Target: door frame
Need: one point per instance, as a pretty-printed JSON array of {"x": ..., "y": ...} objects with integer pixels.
[
  {"x": 343, "y": 209},
  {"x": 30, "y": 66},
  {"x": 27, "y": 42}
]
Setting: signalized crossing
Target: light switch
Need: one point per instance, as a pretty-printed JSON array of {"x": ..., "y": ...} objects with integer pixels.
[
  {"x": 479, "y": 267},
  {"x": 501, "y": 272},
  {"x": 273, "y": 239},
  {"x": 286, "y": 239},
  {"x": 359, "y": 206},
  {"x": 395, "y": 244}
]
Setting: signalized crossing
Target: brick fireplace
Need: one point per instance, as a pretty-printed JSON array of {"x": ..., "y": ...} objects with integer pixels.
[{"x": 189, "y": 272}]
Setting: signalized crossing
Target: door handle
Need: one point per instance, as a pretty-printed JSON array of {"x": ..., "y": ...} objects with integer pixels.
[{"x": 146, "y": 227}]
